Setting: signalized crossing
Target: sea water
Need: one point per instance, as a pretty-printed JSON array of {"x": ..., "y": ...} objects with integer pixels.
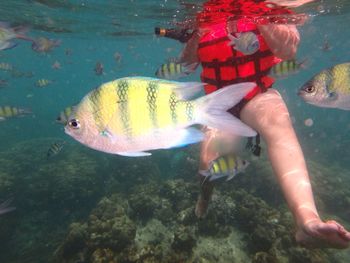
[{"x": 87, "y": 206}]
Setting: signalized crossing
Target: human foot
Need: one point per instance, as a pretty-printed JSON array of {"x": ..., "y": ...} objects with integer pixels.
[
  {"x": 206, "y": 188},
  {"x": 201, "y": 207},
  {"x": 315, "y": 234}
]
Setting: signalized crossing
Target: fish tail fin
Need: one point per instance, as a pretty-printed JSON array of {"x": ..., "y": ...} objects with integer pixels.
[
  {"x": 212, "y": 109},
  {"x": 57, "y": 42},
  {"x": 21, "y": 32},
  {"x": 190, "y": 68},
  {"x": 304, "y": 63},
  {"x": 25, "y": 111}
]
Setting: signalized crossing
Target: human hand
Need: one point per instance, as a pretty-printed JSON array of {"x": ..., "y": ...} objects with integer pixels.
[
  {"x": 317, "y": 234},
  {"x": 291, "y": 3}
]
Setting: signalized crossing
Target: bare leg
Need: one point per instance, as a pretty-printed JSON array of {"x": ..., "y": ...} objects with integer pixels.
[
  {"x": 208, "y": 153},
  {"x": 268, "y": 114}
]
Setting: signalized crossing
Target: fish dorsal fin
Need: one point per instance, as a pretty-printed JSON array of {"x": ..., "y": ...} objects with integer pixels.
[
  {"x": 173, "y": 60},
  {"x": 188, "y": 90}
]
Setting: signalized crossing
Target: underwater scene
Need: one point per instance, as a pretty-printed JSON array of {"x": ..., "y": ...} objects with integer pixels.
[{"x": 103, "y": 109}]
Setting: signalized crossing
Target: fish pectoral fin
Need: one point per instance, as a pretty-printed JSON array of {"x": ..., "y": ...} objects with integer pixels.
[
  {"x": 109, "y": 135},
  {"x": 333, "y": 95},
  {"x": 341, "y": 101},
  {"x": 233, "y": 40},
  {"x": 134, "y": 154},
  {"x": 230, "y": 177}
]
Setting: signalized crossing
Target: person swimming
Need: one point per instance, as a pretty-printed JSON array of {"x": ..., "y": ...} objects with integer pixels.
[{"x": 263, "y": 109}]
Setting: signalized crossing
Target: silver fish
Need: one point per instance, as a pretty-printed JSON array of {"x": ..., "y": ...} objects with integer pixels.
[
  {"x": 175, "y": 69},
  {"x": 246, "y": 42}
]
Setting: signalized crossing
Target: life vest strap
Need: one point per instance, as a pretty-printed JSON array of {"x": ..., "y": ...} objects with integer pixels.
[
  {"x": 236, "y": 61},
  {"x": 222, "y": 83}
]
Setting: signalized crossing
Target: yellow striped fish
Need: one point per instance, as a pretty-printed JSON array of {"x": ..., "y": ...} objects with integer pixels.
[
  {"x": 330, "y": 88},
  {"x": 43, "y": 83},
  {"x": 64, "y": 115},
  {"x": 6, "y": 66},
  {"x": 10, "y": 111},
  {"x": 225, "y": 166},
  {"x": 174, "y": 70},
  {"x": 55, "y": 148},
  {"x": 129, "y": 116},
  {"x": 287, "y": 67}
]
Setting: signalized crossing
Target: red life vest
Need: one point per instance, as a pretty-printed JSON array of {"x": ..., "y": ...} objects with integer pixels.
[{"x": 222, "y": 64}]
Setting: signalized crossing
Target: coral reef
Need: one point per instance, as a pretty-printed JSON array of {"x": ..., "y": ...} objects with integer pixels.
[
  {"x": 50, "y": 194},
  {"x": 95, "y": 208},
  {"x": 108, "y": 230},
  {"x": 239, "y": 228}
]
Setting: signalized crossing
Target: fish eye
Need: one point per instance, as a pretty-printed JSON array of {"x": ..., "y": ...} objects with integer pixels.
[
  {"x": 309, "y": 89},
  {"x": 74, "y": 123}
]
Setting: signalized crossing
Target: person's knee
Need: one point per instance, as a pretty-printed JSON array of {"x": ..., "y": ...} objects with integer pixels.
[
  {"x": 267, "y": 113},
  {"x": 273, "y": 117},
  {"x": 278, "y": 117}
]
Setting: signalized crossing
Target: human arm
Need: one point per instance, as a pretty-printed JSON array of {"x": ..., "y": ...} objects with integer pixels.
[
  {"x": 189, "y": 52},
  {"x": 283, "y": 40},
  {"x": 291, "y": 3}
]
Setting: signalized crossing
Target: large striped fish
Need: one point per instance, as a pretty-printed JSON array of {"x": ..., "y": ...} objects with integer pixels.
[
  {"x": 330, "y": 88},
  {"x": 132, "y": 115}
]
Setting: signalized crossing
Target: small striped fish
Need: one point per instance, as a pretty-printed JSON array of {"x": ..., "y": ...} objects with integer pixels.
[
  {"x": 55, "y": 148},
  {"x": 131, "y": 115},
  {"x": 225, "y": 166},
  {"x": 5, "y": 66},
  {"x": 174, "y": 70},
  {"x": 287, "y": 67},
  {"x": 43, "y": 83},
  {"x": 10, "y": 111},
  {"x": 64, "y": 115}
]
